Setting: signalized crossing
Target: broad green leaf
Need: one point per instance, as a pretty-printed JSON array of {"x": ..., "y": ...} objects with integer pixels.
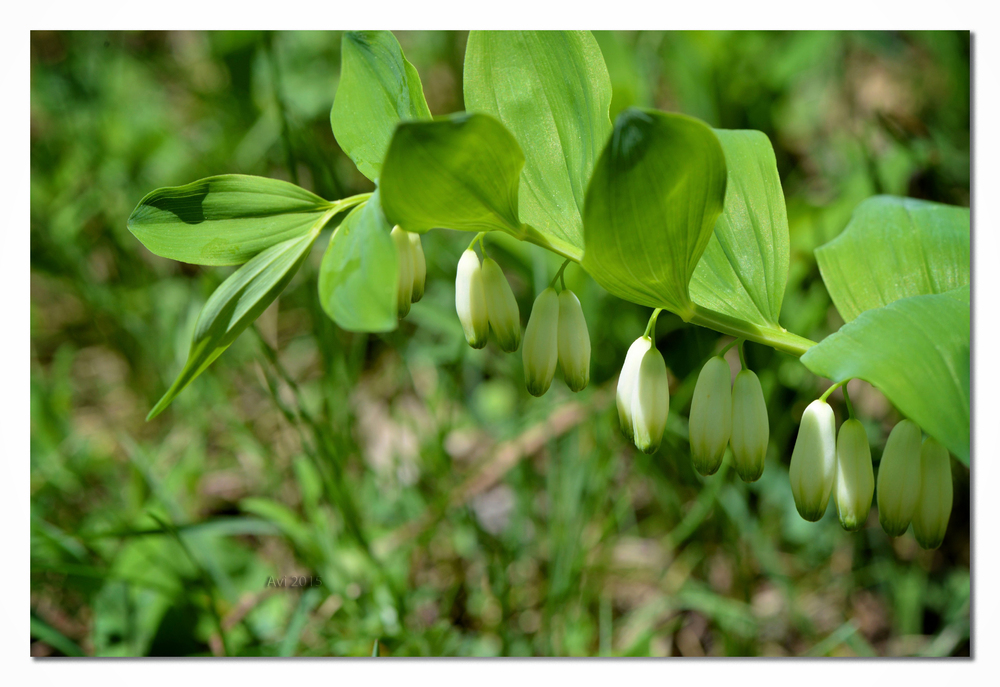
[
  {"x": 916, "y": 351},
  {"x": 357, "y": 280},
  {"x": 745, "y": 265},
  {"x": 552, "y": 92},
  {"x": 224, "y": 220},
  {"x": 235, "y": 304},
  {"x": 894, "y": 248},
  {"x": 457, "y": 172},
  {"x": 378, "y": 89},
  {"x": 654, "y": 197}
]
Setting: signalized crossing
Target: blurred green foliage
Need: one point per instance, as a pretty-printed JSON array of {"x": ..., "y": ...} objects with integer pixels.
[{"x": 445, "y": 511}]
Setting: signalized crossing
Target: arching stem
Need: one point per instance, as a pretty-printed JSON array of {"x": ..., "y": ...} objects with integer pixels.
[
  {"x": 480, "y": 237},
  {"x": 559, "y": 276},
  {"x": 722, "y": 353},
  {"x": 847, "y": 400},
  {"x": 651, "y": 325},
  {"x": 826, "y": 394}
]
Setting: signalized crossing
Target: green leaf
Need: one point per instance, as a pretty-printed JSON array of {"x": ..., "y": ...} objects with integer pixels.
[
  {"x": 458, "y": 172},
  {"x": 224, "y": 220},
  {"x": 378, "y": 89},
  {"x": 916, "y": 351},
  {"x": 745, "y": 265},
  {"x": 359, "y": 273},
  {"x": 552, "y": 92},
  {"x": 894, "y": 248},
  {"x": 655, "y": 194},
  {"x": 236, "y": 303}
]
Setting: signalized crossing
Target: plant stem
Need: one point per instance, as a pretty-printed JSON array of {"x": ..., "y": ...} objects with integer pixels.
[
  {"x": 834, "y": 387},
  {"x": 349, "y": 202},
  {"x": 557, "y": 246},
  {"x": 479, "y": 237},
  {"x": 559, "y": 276},
  {"x": 847, "y": 400},
  {"x": 722, "y": 353},
  {"x": 776, "y": 338},
  {"x": 651, "y": 325},
  {"x": 743, "y": 360}
]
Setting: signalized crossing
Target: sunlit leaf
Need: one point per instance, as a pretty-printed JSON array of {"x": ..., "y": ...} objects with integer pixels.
[
  {"x": 458, "y": 172},
  {"x": 224, "y": 220},
  {"x": 654, "y": 197},
  {"x": 916, "y": 351},
  {"x": 552, "y": 91},
  {"x": 894, "y": 248},
  {"x": 235, "y": 304},
  {"x": 357, "y": 279},
  {"x": 745, "y": 265},
  {"x": 378, "y": 89}
]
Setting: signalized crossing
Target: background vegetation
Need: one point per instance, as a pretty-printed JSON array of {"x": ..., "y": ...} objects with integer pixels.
[{"x": 446, "y": 511}]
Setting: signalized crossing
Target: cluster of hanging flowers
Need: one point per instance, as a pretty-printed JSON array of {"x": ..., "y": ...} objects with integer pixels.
[
  {"x": 914, "y": 477},
  {"x": 556, "y": 335},
  {"x": 728, "y": 414},
  {"x": 412, "y": 269}
]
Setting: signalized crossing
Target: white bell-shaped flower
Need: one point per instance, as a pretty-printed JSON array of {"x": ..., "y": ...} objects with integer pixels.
[
  {"x": 574, "y": 342},
  {"x": 750, "y": 429},
  {"x": 626, "y": 383},
  {"x": 650, "y": 402},
  {"x": 419, "y": 267},
  {"x": 541, "y": 343},
  {"x": 711, "y": 419},
  {"x": 854, "y": 485},
  {"x": 404, "y": 253},
  {"x": 505, "y": 318},
  {"x": 470, "y": 299},
  {"x": 814, "y": 461},
  {"x": 899, "y": 478},
  {"x": 930, "y": 518}
]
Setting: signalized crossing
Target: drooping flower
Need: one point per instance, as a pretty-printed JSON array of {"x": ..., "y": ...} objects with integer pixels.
[
  {"x": 541, "y": 343},
  {"x": 419, "y": 267},
  {"x": 626, "y": 383},
  {"x": 814, "y": 461},
  {"x": 574, "y": 342},
  {"x": 854, "y": 485},
  {"x": 470, "y": 299},
  {"x": 404, "y": 253},
  {"x": 650, "y": 401},
  {"x": 504, "y": 316},
  {"x": 750, "y": 429},
  {"x": 933, "y": 510},
  {"x": 899, "y": 478},
  {"x": 711, "y": 420}
]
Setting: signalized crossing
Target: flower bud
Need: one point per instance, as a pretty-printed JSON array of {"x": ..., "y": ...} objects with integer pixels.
[
  {"x": 930, "y": 518},
  {"x": 855, "y": 482},
  {"x": 541, "y": 343},
  {"x": 470, "y": 299},
  {"x": 574, "y": 342},
  {"x": 505, "y": 318},
  {"x": 404, "y": 252},
  {"x": 711, "y": 421},
  {"x": 899, "y": 478},
  {"x": 650, "y": 402},
  {"x": 750, "y": 429},
  {"x": 419, "y": 266},
  {"x": 814, "y": 461},
  {"x": 626, "y": 383}
]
